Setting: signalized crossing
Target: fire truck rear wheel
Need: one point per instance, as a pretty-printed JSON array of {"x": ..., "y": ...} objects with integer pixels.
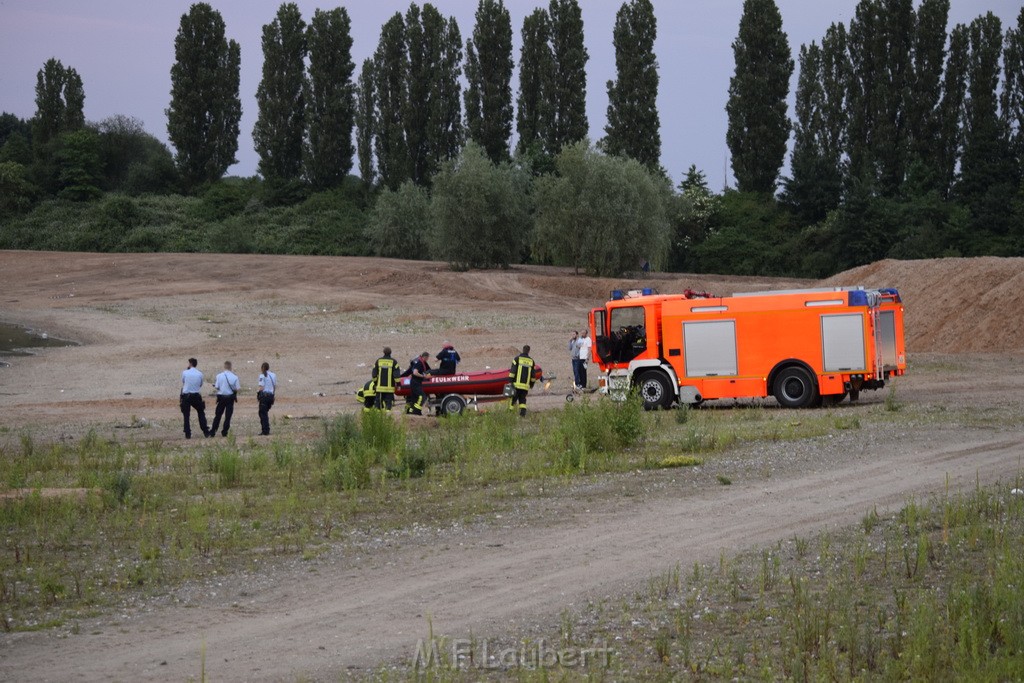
[
  {"x": 654, "y": 390},
  {"x": 452, "y": 404},
  {"x": 795, "y": 388}
]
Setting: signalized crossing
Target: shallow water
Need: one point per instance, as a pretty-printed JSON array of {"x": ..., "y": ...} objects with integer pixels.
[{"x": 19, "y": 341}]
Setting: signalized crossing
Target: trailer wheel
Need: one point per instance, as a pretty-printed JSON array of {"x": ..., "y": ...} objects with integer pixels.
[
  {"x": 452, "y": 404},
  {"x": 795, "y": 388},
  {"x": 654, "y": 390}
]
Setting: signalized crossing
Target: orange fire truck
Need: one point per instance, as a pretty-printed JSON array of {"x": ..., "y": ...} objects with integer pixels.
[{"x": 806, "y": 347}]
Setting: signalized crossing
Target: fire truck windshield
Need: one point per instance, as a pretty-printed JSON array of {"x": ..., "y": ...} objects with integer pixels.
[{"x": 628, "y": 333}]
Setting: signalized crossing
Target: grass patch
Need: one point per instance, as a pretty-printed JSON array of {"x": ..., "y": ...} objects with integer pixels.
[
  {"x": 680, "y": 461},
  {"x": 933, "y": 592}
]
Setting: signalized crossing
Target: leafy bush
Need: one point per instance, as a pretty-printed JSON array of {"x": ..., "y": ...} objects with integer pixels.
[
  {"x": 226, "y": 198},
  {"x": 233, "y": 236},
  {"x": 340, "y": 435},
  {"x": 480, "y": 212},
  {"x": 588, "y": 427},
  {"x": 601, "y": 213},
  {"x": 400, "y": 223}
]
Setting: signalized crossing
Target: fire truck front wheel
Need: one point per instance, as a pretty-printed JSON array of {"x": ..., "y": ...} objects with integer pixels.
[
  {"x": 795, "y": 388},
  {"x": 654, "y": 390}
]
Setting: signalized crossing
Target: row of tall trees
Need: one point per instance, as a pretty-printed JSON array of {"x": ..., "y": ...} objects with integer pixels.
[
  {"x": 409, "y": 115},
  {"x": 907, "y": 138},
  {"x": 406, "y": 105},
  {"x": 410, "y": 101}
]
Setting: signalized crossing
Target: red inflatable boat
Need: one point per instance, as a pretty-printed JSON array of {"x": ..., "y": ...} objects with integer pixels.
[{"x": 450, "y": 394}]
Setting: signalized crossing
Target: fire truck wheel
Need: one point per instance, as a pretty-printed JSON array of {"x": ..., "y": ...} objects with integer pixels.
[
  {"x": 795, "y": 388},
  {"x": 654, "y": 390},
  {"x": 452, "y": 404}
]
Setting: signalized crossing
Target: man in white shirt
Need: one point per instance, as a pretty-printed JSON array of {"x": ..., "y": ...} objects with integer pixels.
[
  {"x": 227, "y": 387},
  {"x": 191, "y": 385},
  {"x": 583, "y": 345}
]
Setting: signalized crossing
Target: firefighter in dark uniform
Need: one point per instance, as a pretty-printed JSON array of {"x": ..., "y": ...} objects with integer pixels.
[
  {"x": 417, "y": 372},
  {"x": 520, "y": 375},
  {"x": 449, "y": 359},
  {"x": 385, "y": 370},
  {"x": 368, "y": 396}
]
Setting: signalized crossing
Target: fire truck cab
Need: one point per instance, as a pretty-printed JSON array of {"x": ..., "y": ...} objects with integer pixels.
[{"x": 806, "y": 347}]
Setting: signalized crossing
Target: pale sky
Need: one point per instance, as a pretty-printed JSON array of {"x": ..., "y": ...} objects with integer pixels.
[{"x": 124, "y": 49}]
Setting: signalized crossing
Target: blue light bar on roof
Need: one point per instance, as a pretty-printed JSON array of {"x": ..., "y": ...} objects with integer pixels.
[
  {"x": 647, "y": 291},
  {"x": 858, "y": 297},
  {"x": 617, "y": 294}
]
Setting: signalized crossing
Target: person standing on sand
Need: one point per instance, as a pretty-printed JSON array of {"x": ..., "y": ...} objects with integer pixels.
[
  {"x": 227, "y": 386},
  {"x": 583, "y": 357},
  {"x": 417, "y": 372},
  {"x": 521, "y": 377},
  {"x": 574, "y": 353},
  {"x": 265, "y": 396},
  {"x": 385, "y": 370},
  {"x": 191, "y": 385}
]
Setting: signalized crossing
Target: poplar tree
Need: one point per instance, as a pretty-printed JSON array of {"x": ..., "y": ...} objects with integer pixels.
[
  {"x": 433, "y": 120},
  {"x": 391, "y": 64},
  {"x": 364, "y": 118},
  {"x": 926, "y": 91},
  {"x": 536, "y": 74},
  {"x": 835, "y": 78},
  {"x": 74, "y": 100},
  {"x": 881, "y": 37},
  {"x": 816, "y": 184},
  {"x": 203, "y": 116},
  {"x": 986, "y": 183},
  {"x": 422, "y": 49},
  {"x": 633, "y": 128},
  {"x": 330, "y": 99},
  {"x": 803, "y": 190},
  {"x": 892, "y": 139},
  {"x": 758, "y": 126},
  {"x": 1013, "y": 92},
  {"x": 954, "y": 92},
  {"x": 60, "y": 99},
  {"x": 280, "y": 125},
  {"x": 569, "y": 91},
  {"x": 448, "y": 134},
  {"x": 489, "y": 64}
]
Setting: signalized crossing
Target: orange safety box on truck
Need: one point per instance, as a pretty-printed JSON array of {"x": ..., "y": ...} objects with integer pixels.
[{"x": 804, "y": 347}]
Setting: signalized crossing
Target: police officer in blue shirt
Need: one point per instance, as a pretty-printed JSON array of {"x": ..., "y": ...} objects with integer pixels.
[
  {"x": 265, "y": 396},
  {"x": 191, "y": 385},
  {"x": 227, "y": 387}
]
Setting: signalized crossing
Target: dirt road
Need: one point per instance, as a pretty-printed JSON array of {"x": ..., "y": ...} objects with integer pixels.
[{"x": 366, "y": 603}]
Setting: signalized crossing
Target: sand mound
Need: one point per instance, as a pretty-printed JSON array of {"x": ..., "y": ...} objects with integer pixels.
[{"x": 954, "y": 304}]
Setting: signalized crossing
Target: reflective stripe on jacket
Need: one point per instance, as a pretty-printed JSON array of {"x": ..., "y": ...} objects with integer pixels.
[
  {"x": 384, "y": 371},
  {"x": 521, "y": 372}
]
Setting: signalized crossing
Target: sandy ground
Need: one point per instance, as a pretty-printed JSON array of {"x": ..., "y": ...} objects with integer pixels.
[{"x": 320, "y": 322}]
